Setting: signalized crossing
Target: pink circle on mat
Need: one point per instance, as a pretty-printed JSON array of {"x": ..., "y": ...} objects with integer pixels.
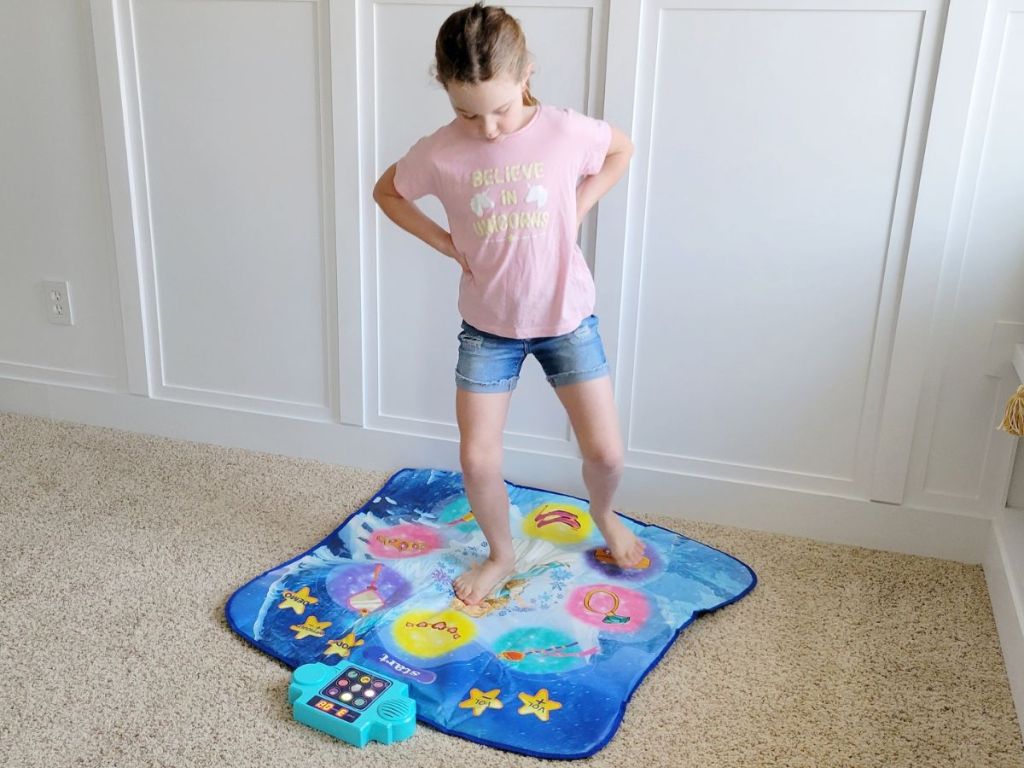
[
  {"x": 609, "y": 607},
  {"x": 405, "y": 540}
]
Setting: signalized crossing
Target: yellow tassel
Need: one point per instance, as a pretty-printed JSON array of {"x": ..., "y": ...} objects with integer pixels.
[{"x": 1013, "y": 421}]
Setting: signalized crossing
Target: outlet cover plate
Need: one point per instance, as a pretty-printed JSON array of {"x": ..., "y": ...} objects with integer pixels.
[{"x": 57, "y": 300}]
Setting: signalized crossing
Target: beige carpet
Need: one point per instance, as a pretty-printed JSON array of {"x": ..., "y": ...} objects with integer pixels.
[{"x": 118, "y": 552}]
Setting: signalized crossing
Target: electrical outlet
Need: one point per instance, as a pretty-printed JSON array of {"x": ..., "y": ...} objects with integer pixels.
[{"x": 57, "y": 297}]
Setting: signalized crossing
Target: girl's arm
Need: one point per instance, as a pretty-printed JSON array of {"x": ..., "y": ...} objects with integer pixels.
[
  {"x": 410, "y": 218},
  {"x": 593, "y": 188}
]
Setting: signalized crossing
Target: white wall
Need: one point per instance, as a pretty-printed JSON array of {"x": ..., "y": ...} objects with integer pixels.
[
  {"x": 55, "y": 212},
  {"x": 810, "y": 284}
]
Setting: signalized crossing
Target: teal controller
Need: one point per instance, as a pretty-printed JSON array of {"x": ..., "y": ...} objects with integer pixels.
[{"x": 352, "y": 703}]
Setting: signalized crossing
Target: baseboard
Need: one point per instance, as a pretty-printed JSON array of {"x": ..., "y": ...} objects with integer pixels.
[
  {"x": 855, "y": 522},
  {"x": 1004, "y": 574}
]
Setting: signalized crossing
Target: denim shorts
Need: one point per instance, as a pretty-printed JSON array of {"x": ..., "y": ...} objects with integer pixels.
[{"x": 489, "y": 363}]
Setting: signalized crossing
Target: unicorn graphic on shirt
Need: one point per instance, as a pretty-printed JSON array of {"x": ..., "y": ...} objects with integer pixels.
[
  {"x": 538, "y": 194},
  {"x": 481, "y": 202}
]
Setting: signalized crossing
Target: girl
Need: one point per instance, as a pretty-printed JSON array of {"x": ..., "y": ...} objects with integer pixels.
[{"x": 506, "y": 171}]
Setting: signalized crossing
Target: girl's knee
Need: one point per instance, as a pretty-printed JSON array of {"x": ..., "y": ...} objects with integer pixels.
[
  {"x": 480, "y": 462},
  {"x": 607, "y": 460}
]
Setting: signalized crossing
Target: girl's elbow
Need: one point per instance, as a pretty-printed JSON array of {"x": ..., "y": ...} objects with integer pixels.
[
  {"x": 381, "y": 193},
  {"x": 621, "y": 145},
  {"x": 385, "y": 186}
]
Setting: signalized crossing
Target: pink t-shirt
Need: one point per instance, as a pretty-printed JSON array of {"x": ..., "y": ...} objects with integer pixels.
[{"x": 511, "y": 207}]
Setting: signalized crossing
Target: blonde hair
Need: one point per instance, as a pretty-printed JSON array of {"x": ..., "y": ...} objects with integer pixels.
[{"x": 477, "y": 44}]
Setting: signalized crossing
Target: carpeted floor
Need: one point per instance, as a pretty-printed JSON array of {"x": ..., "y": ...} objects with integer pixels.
[{"x": 118, "y": 552}]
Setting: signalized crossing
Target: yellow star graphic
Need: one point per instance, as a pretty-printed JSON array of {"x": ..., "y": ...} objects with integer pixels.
[
  {"x": 344, "y": 646},
  {"x": 298, "y": 601},
  {"x": 312, "y": 628},
  {"x": 539, "y": 704},
  {"x": 479, "y": 701}
]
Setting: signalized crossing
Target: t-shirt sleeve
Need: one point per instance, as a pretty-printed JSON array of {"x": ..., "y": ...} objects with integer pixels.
[
  {"x": 593, "y": 137},
  {"x": 415, "y": 174}
]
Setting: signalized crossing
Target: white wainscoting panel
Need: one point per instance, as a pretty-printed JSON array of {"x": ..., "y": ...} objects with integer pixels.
[
  {"x": 960, "y": 459},
  {"x": 54, "y": 207},
  {"x": 782, "y": 145},
  {"x": 232, "y": 116}
]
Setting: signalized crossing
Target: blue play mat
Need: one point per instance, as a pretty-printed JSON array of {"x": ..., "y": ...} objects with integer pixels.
[{"x": 544, "y": 666}]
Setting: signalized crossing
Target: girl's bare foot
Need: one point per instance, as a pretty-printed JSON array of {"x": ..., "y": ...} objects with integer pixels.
[
  {"x": 626, "y": 548},
  {"x": 477, "y": 583}
]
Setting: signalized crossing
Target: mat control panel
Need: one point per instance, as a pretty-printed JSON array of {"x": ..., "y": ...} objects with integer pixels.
[{"x": 352, "y": 703}]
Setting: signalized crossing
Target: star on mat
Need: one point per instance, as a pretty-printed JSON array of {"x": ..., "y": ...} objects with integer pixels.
[
  {"x": 539, "y": 704},
  {"x": 312, "y": 628},
  {"x": 479, "y": 701},
  {"x": 298, "y": 601},
  {"x": 343, "y": 647}
]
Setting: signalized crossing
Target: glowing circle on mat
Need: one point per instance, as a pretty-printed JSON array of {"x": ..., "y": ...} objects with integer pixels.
[
  {"x": 365, "y": 588},
  {"x": 405, "y": 540},
  {"x": 429, "y": 634},
  {"x": 539, "y": 650},
  {"x": 559, "y": 523},
  {"x": 457, "y": 513},
  {"x": 609, "y": 607}
]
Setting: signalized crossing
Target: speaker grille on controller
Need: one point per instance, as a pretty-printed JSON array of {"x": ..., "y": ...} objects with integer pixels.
[{"x": 396, "y": 710}]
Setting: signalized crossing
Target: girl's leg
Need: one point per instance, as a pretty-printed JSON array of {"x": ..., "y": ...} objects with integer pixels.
[
  {"x": 481, "y": 418},
  {"x": 591, "y": 408}
]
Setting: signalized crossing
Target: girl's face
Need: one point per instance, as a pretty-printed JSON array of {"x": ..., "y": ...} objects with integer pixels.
[{"x": 490, "y": 109}]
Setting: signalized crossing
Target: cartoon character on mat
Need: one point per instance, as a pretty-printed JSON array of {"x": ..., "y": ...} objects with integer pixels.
[
  {"x": 368, "y": 600},
  {"x": 546, "y": 649},
  {"x": 564, "y": 651},
  {"x": 511, "y": 590}
]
